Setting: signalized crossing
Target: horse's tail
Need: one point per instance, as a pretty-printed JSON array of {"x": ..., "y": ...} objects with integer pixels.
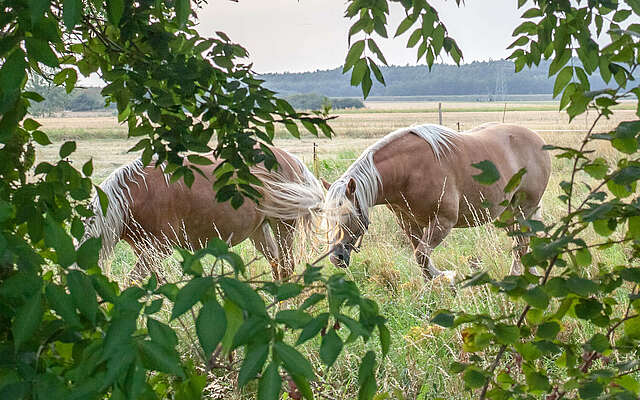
[
  {"x": 298, "y": 199},
  {"x": 110, "y": 226}
]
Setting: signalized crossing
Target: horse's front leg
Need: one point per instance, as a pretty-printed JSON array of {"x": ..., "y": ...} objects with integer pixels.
[{"x": 430, "y": 237}]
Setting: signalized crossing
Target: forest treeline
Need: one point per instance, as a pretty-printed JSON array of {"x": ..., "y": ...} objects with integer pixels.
[{"x": 488, "y": 79}]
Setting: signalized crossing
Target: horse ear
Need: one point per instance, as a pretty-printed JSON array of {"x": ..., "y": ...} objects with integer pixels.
[
  {"x": 326, "y": 184},
  {"x": 351, "y": 186}
]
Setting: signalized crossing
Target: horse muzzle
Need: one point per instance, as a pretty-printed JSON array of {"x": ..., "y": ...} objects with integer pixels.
[{"x": 340, "y": 257}]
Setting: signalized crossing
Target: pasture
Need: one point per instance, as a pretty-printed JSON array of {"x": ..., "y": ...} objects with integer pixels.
[{"x": 417, "y": 366}]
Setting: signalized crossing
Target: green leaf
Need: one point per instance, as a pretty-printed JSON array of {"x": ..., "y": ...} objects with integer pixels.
[
  {"x": 27, "y": 320},
  {"x": 13, "y": 71},
  {"x": 62, "y": 303},
  {"x": 211, "y": 326},
  {"x": 632, "y": 328},
  {"x": 506, "y": 334},
  {"x": 83, "y": 294},
  {"x": 243, "y": 295},
  {"x": 473, "y": 377},
  {"x": 313, "y": 327},
  {"x": 405, "y": 25},
  {"x": 354, "y": 54},
  {"x": 366, "y": 376},
  {"x": 67, "y": 148},
  {"x": 103, "y": 199},
  {"x": 489, "y": 172},
  {"x": 537, "y": 381},
  {"x": 72, "y": 13},
  {"x": 295, "y": 319},
  {"x": 330, "y": 348},
  {"x": 444, "y": 319},
  {"x": 537, "y": 297},
  {"x": 183, "y": 9},
  {"x": 253, "y": 362},
  {"x": 89, "y": 253},
  {"x": 374, "y": 47},
  {"x": 115, "y": 9},
  {"x": 162, "y": 333},
  {"x": 293, "y": 361},
  {"x": 56, "y": 237},
  {"x": 87, "y": 168},
  {"x": 235, "y": 318},
  {"x": 385, "y": 338},
  {"x": 515, "y": 180},
  {"x": 39, "y": 50},
  {"x": 270, "y": 383},
  {"x": 161, "y": 359},
  {"x": 190, "y": 294},
  {"x": 583, "y": 257},
  {"x": 41, "y": 138},
  {"x": 562, "y": 80},
  {"x": 359, "y": 70},
  {"x": 599, "y": 343},
  {"x": 549, "y": 330},
  {"x": 38, "y": 7},
  {"x": 597, "y": 168}
]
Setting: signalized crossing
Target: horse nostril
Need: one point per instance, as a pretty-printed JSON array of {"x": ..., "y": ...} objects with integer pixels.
[{"x": 340, "y": 257}]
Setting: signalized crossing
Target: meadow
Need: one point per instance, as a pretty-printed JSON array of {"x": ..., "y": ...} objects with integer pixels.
[{"x": 417, "y": 365}]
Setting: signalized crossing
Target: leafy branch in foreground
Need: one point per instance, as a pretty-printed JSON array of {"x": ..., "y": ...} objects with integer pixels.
[{"x": 525, "y": 353}]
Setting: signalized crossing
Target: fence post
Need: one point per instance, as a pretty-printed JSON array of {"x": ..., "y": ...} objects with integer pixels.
[
  {"x": 315, "y": 161},
  {"x": 440, "y": 113},
  {"x": 504, "y": 112}
]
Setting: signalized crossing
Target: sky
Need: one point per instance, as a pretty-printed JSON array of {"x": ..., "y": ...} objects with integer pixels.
[{"x": 306, "y": 35}]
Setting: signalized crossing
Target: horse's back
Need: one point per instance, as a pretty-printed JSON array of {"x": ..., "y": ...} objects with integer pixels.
[{"x": 510, "y": 148}]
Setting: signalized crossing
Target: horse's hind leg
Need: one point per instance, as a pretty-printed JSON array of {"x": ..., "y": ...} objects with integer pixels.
[
  {"x": 521, "y": 243},
  {"x": 264, "y": 242}
]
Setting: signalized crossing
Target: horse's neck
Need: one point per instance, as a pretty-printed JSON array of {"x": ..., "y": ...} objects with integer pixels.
[{"x": 392, "y": 178}]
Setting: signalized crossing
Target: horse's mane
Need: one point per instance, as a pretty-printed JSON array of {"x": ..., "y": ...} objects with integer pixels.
[
  {"x": 367, "y": 176},
  {"x": 299, "y": 199},
  {"x": 110, "y": 226}
]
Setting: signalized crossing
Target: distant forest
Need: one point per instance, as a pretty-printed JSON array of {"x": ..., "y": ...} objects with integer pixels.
[{"x": 490, "y": 79}]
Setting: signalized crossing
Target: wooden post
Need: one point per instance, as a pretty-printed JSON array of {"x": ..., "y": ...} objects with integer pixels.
[
  {"x": 458, "y": 126},
  {"x": 315, "y": 161},
  {"x": 440, "y": 113},
  {"x": 504, "y": 112}
]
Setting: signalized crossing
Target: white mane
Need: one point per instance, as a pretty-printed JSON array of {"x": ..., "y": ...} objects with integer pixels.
[{"x": 367, "y": 177}]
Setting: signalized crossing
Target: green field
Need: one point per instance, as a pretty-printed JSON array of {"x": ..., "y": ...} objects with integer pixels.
[{"x": 417, "y": 365}]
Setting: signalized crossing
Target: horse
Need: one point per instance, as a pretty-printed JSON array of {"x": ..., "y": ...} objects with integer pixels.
[
  {"x": 153, "y": 215},
  {"x": 423, "y": 174}
]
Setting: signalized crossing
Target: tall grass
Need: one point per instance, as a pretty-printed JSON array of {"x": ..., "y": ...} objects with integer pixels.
[{"x": 417, "y": 365}]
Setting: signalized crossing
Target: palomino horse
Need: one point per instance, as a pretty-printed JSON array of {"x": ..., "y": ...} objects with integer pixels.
[
  {"x": 424, "y": 175},
  {"x": 152, "y": 214}
]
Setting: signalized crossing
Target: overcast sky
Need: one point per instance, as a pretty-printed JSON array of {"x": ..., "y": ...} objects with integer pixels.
[{"x": 305, "y": 35}]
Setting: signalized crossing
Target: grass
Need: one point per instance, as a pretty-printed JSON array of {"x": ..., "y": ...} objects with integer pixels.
[{"x": 417, "y": 365}]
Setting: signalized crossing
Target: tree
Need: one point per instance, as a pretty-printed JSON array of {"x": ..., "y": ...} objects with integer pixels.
[
  {"x": 523, "y": 355},
  {"x": 66, "y": 330}
]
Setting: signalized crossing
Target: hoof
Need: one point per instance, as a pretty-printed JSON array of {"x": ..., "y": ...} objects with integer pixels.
[{"x": 448, "y": 277}]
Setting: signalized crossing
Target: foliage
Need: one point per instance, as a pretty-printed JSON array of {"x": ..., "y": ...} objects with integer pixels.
[
  {"x": 313, "y": 101},
  {"x": 66, "y": 330},
  {"x": 56, "y": 98},
  {"x": 523, "y": 353}
]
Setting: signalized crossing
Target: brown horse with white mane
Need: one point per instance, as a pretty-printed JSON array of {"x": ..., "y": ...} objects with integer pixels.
[
  {"x": 152, "y": 214},
  {"x": 424, "y": 175}
]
